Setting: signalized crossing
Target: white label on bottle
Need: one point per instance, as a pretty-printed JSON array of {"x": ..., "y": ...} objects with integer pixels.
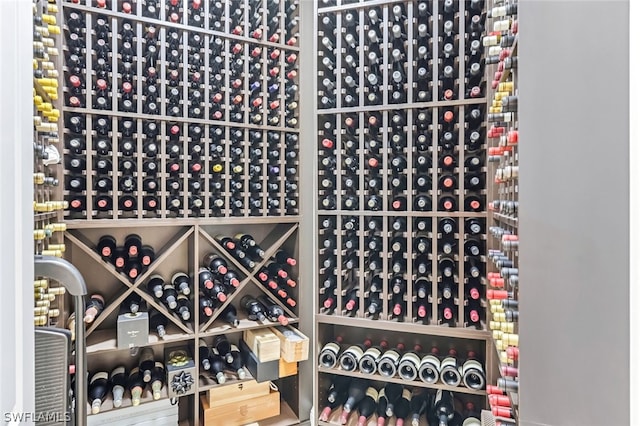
[
  {"x": 388, "y": 363},
  {"x": 329, "y": 354},
  {"x": 373, "y": 393},
  {"x": 351, "y": 357},
  {"x": 101, "y": 375},
  {"x": 410, "y": 360},
  {"x": 431, "y": 364},
  {"x": 450, "y": 372},
  {"x": 118, "y": 370},
  {"x": 473, "y": 374},
  {"x": 406, "y": 394}
]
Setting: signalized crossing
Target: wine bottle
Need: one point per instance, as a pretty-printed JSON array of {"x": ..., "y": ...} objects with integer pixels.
[
  {"x": 443, "y": 407},
  {"x": 98, "y": 388},
  {"x": 158, "y": 378},
  {"x": 106, "y": 246},
  {"x": 418, "y": 406},
  {"x": 450, "y": 369},
  {"x": 429, "y": 369},
  {"x": 93, "y": 308},
  {"x": 329, "y": 353},
  {"x": 217, "y": 367},
  {"x": 336, "y": 395},
  {"x": 388, "y": 364},
  {"x": 169, "y": 296},
  {"x": 355, "y": 394},
  {"x": 236, "y": 364},
  {"x": 369, "y": 360},
  {"x": 273, "y": 311},
  {"x": 402, "y": 407},
  {"x": 132, "y": 303},
  {"x": 180, "y": 281},
  {"x": 473, "y": 375},
  {"x": 158, "y": 323},
  {"x": 223, "y": 347},
  {"x": 367, "y": 405},
  {"x": 350, "y": 357},
  {"x": 388, "y": 396},
  {"x": 409, "y": 364},
  {"x": 230, "y": 316},
  {"x": 118, "y": 380},
  {"x": 135, "y": 385},
  {"x": 253, "y": 308},
  {"x": 183, "y": 307},
  {"x": 155, "y": 286}
]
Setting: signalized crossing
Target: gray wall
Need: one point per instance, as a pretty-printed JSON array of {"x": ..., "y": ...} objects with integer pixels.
[
  {"x": 574, "y": 220},
  {"x": 16, "y": 220}
]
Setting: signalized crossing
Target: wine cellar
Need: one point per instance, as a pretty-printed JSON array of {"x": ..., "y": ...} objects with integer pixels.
[{"x": 281, "y": 212}]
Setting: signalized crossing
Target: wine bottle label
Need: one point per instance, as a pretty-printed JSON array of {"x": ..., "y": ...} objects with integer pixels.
[
  {"x": 329, "y": 354},
  {"x": 178, "y": 274},
  {"x": 159, "y": 365},
  {"x": 449, "y": 371},
  {"x": 350, "y": 357},
  {"x": 406, "y": 394},
  {"x": 373, "y": 353},
  {"x": 411, "y": 361},
  {"x": 234, "y": 348},
  {"x": 98, "y": 376},
  {"x": 372, "y": 392},
  {"x": 473, "y": 374},
  {"x": 118, "y": 370},
  {"x": 388, "y": 363},
  {"x": 429, "y": 369}
]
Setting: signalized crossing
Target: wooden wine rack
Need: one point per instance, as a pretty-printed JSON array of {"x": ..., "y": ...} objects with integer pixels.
[
  {"x": 48, "y": 127},
  {"x": 181, "y": 240},
  {"x": 226, "y": 125},
  {"x": 504, "y": 187},
  {"x": 404, "y": 329}
]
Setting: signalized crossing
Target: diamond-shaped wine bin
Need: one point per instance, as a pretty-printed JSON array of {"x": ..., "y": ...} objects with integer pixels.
[{"x": 181, "y": 372}]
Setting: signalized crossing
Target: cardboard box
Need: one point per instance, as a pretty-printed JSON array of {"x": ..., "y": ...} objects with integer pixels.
[
  {"x": 294, "y": 346},
  {"x": 133, "y": 330},
  {"x": 287, "y": 369},
  {"x": 241, "y": 412},
  {"x": 181, "y": 372},
  {"x": 261, "y": 371},
  {"x": 264, "y": 343},
  {"x": 234, "y": 392}
]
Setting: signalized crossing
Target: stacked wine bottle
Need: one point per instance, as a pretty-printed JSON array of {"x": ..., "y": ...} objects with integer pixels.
[
  {"x": 503, "y": 273},
  {"x": 401, "y": 162},
  {"x": 47, "y": 204},
  {"x": 164, "y": 118}
]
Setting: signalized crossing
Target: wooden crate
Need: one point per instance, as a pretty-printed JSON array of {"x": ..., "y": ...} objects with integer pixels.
[
  {"x": 287, "y": 369},
  {"x": 263, "y": 343},
  {"x": 242, "y": 412},
  {"x": 235, "y": 392},
  {"x": 294, "y": 346}
]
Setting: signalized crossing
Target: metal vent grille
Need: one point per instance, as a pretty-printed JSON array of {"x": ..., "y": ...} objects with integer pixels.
[
  {"x": 487, "y": 419},
  {"x": 52, "y": 350}
]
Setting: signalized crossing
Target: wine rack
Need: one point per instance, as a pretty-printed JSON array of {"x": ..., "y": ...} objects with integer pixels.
[
  {"x": 179, "y": 248},
  {"x": 502, "y": 137},
  {"x": 180, "y": 124},
  {"x": 174, "y": 107},
  {"x": 401, "y": 171},
  {"x": 47, "y": 204}
]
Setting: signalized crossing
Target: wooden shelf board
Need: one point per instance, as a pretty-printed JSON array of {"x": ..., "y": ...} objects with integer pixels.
[
  {"x": 220, "y": 221},
  {"x": 147, "y": 396},
  {"x": 405, "y": 327},
  {"x": 101, "y": 341},
  {"x": 223, "y": 328},
  {"x": 415, "y": 383}
]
